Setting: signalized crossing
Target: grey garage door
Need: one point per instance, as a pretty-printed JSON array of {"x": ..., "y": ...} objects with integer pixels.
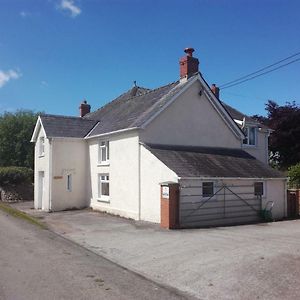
[{"x": 229, "y": 205}]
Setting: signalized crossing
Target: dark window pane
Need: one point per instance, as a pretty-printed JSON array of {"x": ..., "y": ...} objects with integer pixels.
[
  {"x": 258, "y": 188},
  {"x": 105, "y": 188},
  {"x": 207, "y": 189}
]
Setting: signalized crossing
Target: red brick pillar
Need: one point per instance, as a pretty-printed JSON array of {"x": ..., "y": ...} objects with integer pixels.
[{"x": 169, "y": 205}]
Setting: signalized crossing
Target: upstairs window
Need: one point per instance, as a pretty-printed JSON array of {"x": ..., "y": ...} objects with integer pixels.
[
  {"x": 207, "y": 189},
  {"x": 258, "y": 188},
  {"x": 250, "y": 133},
  {"x": 41, "y": 146},
  {"x": 103, "y": 152}
]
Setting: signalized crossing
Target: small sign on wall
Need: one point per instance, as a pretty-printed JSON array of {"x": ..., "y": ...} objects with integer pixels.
[
  {"x": 165, "y": 192},
  {"x": 57, "y": 177}
]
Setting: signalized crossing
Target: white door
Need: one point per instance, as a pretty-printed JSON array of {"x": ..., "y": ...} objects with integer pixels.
[{"x": 41, "y": 190}]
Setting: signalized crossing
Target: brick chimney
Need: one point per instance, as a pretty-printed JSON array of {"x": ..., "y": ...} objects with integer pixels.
[
  {"x": 215, "y": 90},
  {"x": 84, "y": 108},
  {"x": 188, "y": 64}
]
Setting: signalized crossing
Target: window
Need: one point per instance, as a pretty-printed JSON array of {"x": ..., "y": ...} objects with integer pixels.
[
  {"x": 207, "y": 189},
  {"x": 69, "y": 182},
  {"x": 103, "y": 186},
  {"x": 103, "y": 152},
  {"x": 250, "y": 133},
  {"x": 258, "y": 188},
  {"x": 42, "y": 146}
]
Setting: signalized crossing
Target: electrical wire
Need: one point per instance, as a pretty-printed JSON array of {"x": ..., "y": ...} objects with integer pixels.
[
  {"x": 261, "y": 74},
  {"x": 258, "y": 71}
]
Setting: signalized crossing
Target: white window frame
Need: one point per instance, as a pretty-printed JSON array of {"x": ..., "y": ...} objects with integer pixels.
[
  {"x": 213, "y": 189},
  {"x": 263, "y": 189},
  {"x": 100, "y": 196},
  {"x": 247, "y": 143},
  {"x": 103, "y": 145},
  {"x": 41, "y": 146},
  {"x": 69, "y": 182}
]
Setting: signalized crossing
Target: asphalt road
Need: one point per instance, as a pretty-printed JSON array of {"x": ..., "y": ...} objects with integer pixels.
[{"x": 38, "y": 264}]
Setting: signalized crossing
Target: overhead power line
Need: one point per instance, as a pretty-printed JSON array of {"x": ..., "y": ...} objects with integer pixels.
[
  {"x": 261, "y": 74},
  {"x": 240, "y": 79}
]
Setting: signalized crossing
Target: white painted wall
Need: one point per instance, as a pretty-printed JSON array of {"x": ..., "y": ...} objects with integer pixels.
[
  {"x": 123, "y": 171},
  {"x": 260, "y": 150},
  {"x": 41, "y": 164},
  {"x": 70, "y": 156},
  {"x": 153, "y": 172},
  {"x": 190, "y": 120},
  {"x": 276, "y": 191}
]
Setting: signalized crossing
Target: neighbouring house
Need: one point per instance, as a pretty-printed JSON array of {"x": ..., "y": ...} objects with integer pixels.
[{"x": 134, "y": 154}]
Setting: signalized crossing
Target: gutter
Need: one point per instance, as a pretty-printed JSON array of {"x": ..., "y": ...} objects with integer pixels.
[
  {"x": 112, "y": 132},
  {"x": 233, "y": 178}
]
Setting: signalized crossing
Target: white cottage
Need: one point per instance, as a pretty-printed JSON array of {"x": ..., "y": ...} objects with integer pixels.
[{"x": 115, "y": 158}]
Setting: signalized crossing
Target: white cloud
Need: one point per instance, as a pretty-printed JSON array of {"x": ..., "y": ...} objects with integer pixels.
[
  {"x": 6, "y": 76},
  {"x": 24, "y": 14},
  {"x": 70, "y": 7}
]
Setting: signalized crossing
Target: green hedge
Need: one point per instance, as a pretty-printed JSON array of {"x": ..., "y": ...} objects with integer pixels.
[
  {"x": 15, "y": 175},
  {"x": 294, "y": 175}
]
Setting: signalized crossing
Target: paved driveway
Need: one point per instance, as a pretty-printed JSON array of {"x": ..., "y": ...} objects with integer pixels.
[{"x": 242, "y": 262}]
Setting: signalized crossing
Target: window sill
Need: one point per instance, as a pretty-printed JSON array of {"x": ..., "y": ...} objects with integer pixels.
[
  {"x": 249, "y": 146},
  {"x": 103, "y": 200},
  {"x": 103, "y": 164}
]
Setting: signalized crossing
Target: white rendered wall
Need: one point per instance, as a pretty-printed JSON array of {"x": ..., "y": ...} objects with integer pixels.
[
  {"x": 260, "y": 150},
  {"x": 190, "y": 120},
  {"x": 123, "y": 171},
  {"x": 70, "y": 156},
  {"x": 153, "y": 172},
  {"x": 41, "y": 164}
]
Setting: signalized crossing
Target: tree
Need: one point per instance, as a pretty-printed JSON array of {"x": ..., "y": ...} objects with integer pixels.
[
  {"x": 15, "y": 133},
  {"x": 284, "y": 142},
  {"x": 294, "y": 175}
]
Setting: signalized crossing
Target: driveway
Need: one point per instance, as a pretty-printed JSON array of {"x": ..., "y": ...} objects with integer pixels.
[
  {"x": 243, "y": 262},
  {"x": 38, "y": 264}
]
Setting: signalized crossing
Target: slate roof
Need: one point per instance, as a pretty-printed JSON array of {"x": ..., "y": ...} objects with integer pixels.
[
  {"x": 129, "y": 111},
  {"x": 62, "y": 126},
  {"x": 191, "y": 161}
]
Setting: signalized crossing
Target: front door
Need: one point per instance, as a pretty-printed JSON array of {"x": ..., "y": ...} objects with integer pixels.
[{"x": 41, "y": 189}]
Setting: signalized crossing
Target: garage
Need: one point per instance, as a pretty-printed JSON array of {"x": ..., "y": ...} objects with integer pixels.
[{"x": 218, "y": 186}]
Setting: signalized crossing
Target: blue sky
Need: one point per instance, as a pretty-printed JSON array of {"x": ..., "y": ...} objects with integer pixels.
[{"x": 54, "y": 53}]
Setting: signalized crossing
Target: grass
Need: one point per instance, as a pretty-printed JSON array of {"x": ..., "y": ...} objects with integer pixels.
[{"x": 19, "y": 214}]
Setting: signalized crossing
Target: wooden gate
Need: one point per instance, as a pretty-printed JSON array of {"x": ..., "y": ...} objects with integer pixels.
[
  {"x": 293, "y": 202},
  {"x": 229, "y": 205}
]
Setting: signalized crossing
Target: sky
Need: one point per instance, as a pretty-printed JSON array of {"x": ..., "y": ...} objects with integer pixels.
[{"x": 55, "y": 53}]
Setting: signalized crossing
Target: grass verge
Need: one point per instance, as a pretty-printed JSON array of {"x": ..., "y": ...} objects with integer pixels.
[{"x": 19, "y": 214}]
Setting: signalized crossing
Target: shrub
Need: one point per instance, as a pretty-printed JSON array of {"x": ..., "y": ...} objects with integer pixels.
[
  {"x": 294, "y": 175},
  {"x": 15, "y": 175}
]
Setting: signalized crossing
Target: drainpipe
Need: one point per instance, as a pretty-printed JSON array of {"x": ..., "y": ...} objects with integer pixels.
[
  {"x": 50, "y": 174},
  {"x": 139, "y": 181}
]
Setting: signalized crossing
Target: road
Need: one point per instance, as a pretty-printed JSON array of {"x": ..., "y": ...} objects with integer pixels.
[{"x": 38, "y": 264}]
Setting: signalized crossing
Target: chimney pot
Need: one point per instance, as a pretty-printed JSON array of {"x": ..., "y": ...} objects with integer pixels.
[
  {"x": 189, "y": 51},
  {"x": 188, "y": 64},
  {"x": 84, "y": 108}
]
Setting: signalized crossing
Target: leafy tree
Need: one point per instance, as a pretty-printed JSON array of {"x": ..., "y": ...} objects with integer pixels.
[
  {"x": 294, "y": 175},
  {"x": 284, "y": 142},
  {"x": 15, "y": 133}
]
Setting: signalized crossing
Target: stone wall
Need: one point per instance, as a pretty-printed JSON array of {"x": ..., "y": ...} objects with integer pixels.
[{"x": 15, "y": 193}]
